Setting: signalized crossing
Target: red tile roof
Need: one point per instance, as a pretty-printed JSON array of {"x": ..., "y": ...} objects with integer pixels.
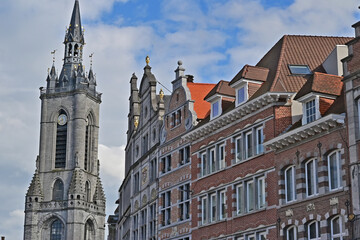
[
  {"x": 251, "y": 73},
  {"x": 198, "y": 91},
  {"x": 221, "y": 88},
  {"x": 297, "y": 50},
  {"x": 322, "y": 83}
]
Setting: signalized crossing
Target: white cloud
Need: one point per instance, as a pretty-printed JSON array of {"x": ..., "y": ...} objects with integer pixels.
[{"x": 112, "y": 160}]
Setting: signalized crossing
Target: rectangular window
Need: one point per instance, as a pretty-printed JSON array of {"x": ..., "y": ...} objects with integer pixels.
[
  {"x": 135, "y": 227},
  {"x": 212, "y": 161},
  {"x": 238, "y": 149},
  {"x": 152, "y": 221},
  {"x": 239, "y": 198},
  {"x": 310, "y": 111},
  {"x": 299, "y": 69},
  {"x": 261, "y": 192},
  {"x": 153, "y": 170},
  {"x": 184, "y": 201},
  {"x": 221, "y": 156},
  {"x": 184, "y": 155},
  {"x": 311, "y": 177},
  {"x": 173, "y": 119},
  {"x": 290, "y": 184},
  {"x": 259, "y": 140},
  {"x": 241, "y": 95},
  {"x": 213, "y": 207},
  {"x": 262, "y": 236},
  {"x": 222, "y": 214},
  {"x": 203, "y": 210},
  {"x": 136, "y": 183},
  {"x": 143, "y": 223},
  {"x": 166, "y": 163},
  {"x": 166, "y": 208},
  {"x": 215, "y": 109},
  {"x": 250, "y": 203},
  {"x": 248, "y": 145},
  {"x": 145, "y": 145},
  {"x": 334, "y": 170},
  {"x": 203, "y": 164}
]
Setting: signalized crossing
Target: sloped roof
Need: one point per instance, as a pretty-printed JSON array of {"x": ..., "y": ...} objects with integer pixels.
[
  {"x": 297, "y": 50},
  {"x": 198, "y": 92},
  {"x": 251, "y": 73},
  {"x": 321, "y": 83},
  {"x": 221, "y": 88}
]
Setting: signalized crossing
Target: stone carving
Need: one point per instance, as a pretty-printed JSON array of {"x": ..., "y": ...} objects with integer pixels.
[
  {"x": 289, "y": 213},
  {"x": 136, "y": 206},
  {"x": 153, "y": 193},
  {"x": 334, "y": 201},
  {"x": 310, "y": 207},
  {"x": 144, "y": 175}
]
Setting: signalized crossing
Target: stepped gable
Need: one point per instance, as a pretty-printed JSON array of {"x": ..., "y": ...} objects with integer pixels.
[
  {"x": 296, "y": 50},
  {"x": 35, "y": 188},
  {"x": 99, "y": 191},
  {"x": 198, "y": 92},
  {"x": 76, "y": 185}
]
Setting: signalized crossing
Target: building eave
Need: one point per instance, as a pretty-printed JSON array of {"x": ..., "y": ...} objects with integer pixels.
[
  {"x": 309, "y": 130},
  {"x": 237, "y": 113}
]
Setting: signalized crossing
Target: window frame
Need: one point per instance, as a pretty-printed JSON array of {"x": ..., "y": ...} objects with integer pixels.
[
  {"x": 239, "y": 149},
  {"x": 215, "y": 106},
  {"x": 221, "y": 156},
  {"x": 291, "y": 228},
  {"x": 239, "y": 199},
  {"x": 313, "y": 179},
  {"x": 259, "y": 144},
  {"x": 204, "y": 217},
  {"x": 248, "y": 150},
  {"x": 59, "y": 227},
  {"x": 261, "y": 193},
  {"x": 222, "y": 205},
  {"x": 213, "y": 207},
  {"x": 212, "y": 160},
  {"x": 338, "y": 170},
  {"x": 290, "y": 66},
  {"x": 317, "y": 230},
  {"x": 250, "y": 194},
  {"x": 340, "y": 235},
  {"x": 292, "y": 184},
  {"x": 203, "y": 157}
]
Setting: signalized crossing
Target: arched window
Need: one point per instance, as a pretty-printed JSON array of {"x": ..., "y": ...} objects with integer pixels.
[
  {"x": 58, "y": 190},
  {"x": 89, "y": 233},
  {"x": 70, "y": 50},
  {"x": 336, "y": 228},
  {"x": 290, "y": 189},
  {"x": 87, "y": 192},
  {"x": 291, "y": 233},
  {"x": 88, "y": 134},
  {"x": 61, "y": 139},
  {"x": 313, "y": 230},
  {"x": 76, "y": 50},
  {"x": 57, "y": 230},
  {"x": 311, "y": 177},
  {"x": 334, "y": 170}
]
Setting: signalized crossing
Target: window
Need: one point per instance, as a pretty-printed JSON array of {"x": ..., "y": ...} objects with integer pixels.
[
  {"x": 291, "y": 233},
  {"x": 87, "y": 144},
  {"x": 178, "y": 120},
  {"x": 203, "y": 164},
  {"x": 166, "y": 163},
  {"x": 135, "y": 227},
  {"x": 215, "y": 111},
  {"x": 250, "y": 196},
  {"x": 58, "y": 190},
  {"x": 299, "y": 69},
  {"x": 222, "y": 214},
  {"x": 57, "y": 230},
  {"x": 262, "y": 236},
  {"x": 310, "y": 110},
  {"x": 152, "y": 222},
  {"x": 290, "y": 194},
  {"x": 212, "y": 161},
  {"x": 241, "y": 95},
  {"x": 173, "y": 119},
  {"x": 184, "y": 201},
  {"x": 61, "y": 139},
  {"x": 221, "y": 156},
  {"x": 145, "y": 145},
  {"x": 143, "y": 223},
  {"x": 250, "y": 237},
  {"x": 184, "y": 155},
  {"x": 311, "y": 178},
  {"x": 203, "y": 210},
  {"x": 239, "y": 198},
  {"x": 153, "y": 170},
  {"x": 336, "y": 228},
  {"x": 259, "y": 140},
  {"x": 213, "y": 207},
  {"x": 87, "y": 192},
  {"x": 166, "y": 208},
  {"x": 248, "y": 145},
  {"x": 261, "y": 192},
  {"x": 313, "y": 230},
  {"x": 334, "y": 170},
  {"x": 89, "y": 231},
  {"x": 238, "y": 149},
  {"x": 136, "y": 183}
]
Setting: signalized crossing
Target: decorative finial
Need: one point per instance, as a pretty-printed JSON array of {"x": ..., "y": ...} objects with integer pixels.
[
  {"x": 161, "y": 94},
  {"x": 48, "y": 71},
  {"x": 37, "y": 164},
  {"x": 179, "y": 63},
  {"x": 136, "y": 122},
  {"x": 53, "y": 53},
  {"x": 147, "y": 60},
  {"x": 91, "y": 59}
]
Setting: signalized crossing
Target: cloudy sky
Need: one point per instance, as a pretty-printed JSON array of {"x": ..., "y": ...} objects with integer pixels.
[{"x": 213, "y": 38}]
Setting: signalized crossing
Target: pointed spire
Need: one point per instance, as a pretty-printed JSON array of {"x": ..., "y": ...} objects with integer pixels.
[
  {"x": 76, "y": 185},
  {"x": 75, "y": 31},
  {"x": 35, "y": 188},
  {"x": 99, "y": 191}
]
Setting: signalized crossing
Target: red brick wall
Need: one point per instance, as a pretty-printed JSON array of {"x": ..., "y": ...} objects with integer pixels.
[{"x": 324, "y": 104}]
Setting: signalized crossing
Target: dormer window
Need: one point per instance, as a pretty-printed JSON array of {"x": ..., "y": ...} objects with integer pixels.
[
  {"x": 215, "y": 109},
  {"x": 241, "y": 95},
  {"x": 299, "y": 69},
  {"x": 311, "y": 110}
]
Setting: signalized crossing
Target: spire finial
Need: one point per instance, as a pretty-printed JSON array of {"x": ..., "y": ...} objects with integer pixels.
[
  {"x": 53, "y": 53},
  {"x": 161, "y": 94},
  {"x": 91, "y": 59},
  {"x": 147, "y": 60}
]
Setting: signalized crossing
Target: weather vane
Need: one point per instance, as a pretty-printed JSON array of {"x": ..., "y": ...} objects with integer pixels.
[
  {"x": 53, "y": 53},
  {"x": 91, "y": 59}
]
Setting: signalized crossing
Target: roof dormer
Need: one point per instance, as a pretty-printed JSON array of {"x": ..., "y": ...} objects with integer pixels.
[
  {"x": 317, "y": 95},
  {"x": 247, "y": 82},
  {"x": 219, "y": 97}
]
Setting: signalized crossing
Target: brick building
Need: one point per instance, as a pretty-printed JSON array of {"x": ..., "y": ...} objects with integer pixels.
[{"x": 262, "y": 156}]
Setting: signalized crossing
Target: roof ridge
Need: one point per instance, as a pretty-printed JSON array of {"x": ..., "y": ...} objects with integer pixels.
[
  {"x": 202, "y": 83},
  {"x": 281, "y": 57},
  {"x": 322, "y": 36}
]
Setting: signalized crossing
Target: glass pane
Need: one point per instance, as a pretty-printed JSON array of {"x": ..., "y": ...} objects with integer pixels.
[
  {"x": 239, "y": 199},
  {"x": 289, "y": 184},
  {"x": 333, "y": 172},
  {"x": 312, "y": 230},
  {"x": 241, "y": 95},
  {"x": 310, "y": 178},
  {"x": 336, "y": 226},
  {"x": 250, "y": 196},
  {"x": 238, "y": 149},
  {"x": 248, "y": 145},
  {"x": 215, "y": 109},
  {"x": 299, "y": 69}
]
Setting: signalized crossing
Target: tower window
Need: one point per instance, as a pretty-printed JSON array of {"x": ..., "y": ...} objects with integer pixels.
[
  {"x": 89, "y": 230},
  {"x": 76, "y": 50},
  {"x": 58, "y": 190},
  {"x": 57, "y": 229},
  {"x": 70, "y": 50},
  {"x": 61, "y": 137},
  {"x": 87, "y": 192},
  {"x": 88, "y": 134}
]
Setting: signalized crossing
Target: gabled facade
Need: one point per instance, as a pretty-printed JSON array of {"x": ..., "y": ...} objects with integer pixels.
[{"x": 65, "y": 199}]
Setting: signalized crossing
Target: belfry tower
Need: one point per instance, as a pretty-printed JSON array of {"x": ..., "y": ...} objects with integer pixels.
[{"x": 66, "y": 200}]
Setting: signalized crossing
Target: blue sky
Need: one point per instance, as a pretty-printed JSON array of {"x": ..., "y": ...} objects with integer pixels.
[{"x": 213, "y": 38}]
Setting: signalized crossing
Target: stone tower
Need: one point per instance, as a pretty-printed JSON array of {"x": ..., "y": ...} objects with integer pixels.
[{"x": 66, "y": 200}]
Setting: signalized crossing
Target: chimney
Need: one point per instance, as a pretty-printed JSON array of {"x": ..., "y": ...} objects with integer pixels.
[
  {"x": 190, "y": 78},
  {"x": 2, "y": 238}
]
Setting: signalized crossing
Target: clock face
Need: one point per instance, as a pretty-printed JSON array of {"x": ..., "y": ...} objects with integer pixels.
[{"x": 62, "y": 119}]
